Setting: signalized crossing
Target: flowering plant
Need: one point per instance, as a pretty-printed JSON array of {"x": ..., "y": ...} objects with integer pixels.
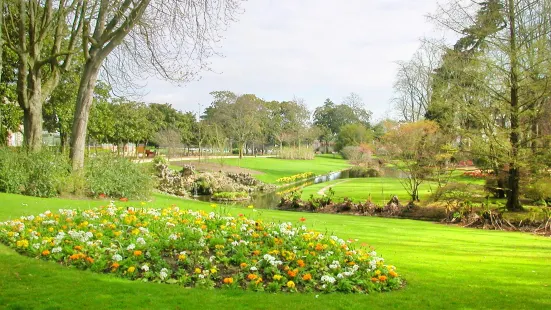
[
  {"x": 200, "y": 249},
  {"x": 296, "y": 177}
]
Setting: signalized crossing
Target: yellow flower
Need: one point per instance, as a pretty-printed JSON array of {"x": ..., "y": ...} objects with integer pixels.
[
  {"x": 22, "y": 243},
  {"x": 181, "y": 257},
  {"x": 214, "y": 206},
  {"x": 250, "y": 207},
  {"x": 291, "y": 284},
  {"x": 277, "y": 277},
  {"x": 197, "y": 270},
  {"x": 213, "y": 270},
  {"x": 131, "y": 269}
]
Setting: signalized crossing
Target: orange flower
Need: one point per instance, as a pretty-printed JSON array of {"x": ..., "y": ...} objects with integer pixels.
[
  {"x": 302, "y": 219},
  {"x": 374, "y": 280},
  {"x": 292, "y": 273},
  {"x": 393, "y": 274},
  {"x": 115, "y": 265},
  {"x": 228, "y": 280},
  {"x": 77, "y": 248},
  {"x": 256, "y": 252},
  {"x": 45, "y": 252},
  {"x": 90, "y": 260},
  {"x": 137, "y": 253},
  {"x": 319, "y": 247},
  {"x": 123, "y": 199},
  {"x": 300, "y": 263},
  {"x": 382, "y": 278},
  {"x": 307, "y": 277},
  {"x": 259, "y": 280},
  {"x": 252, "y": 276},
  {"x": 243, "y": 265}
]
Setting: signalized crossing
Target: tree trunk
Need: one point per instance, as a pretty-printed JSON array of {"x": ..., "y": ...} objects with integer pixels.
[
  {"x": 241, "y": 146},
  {"x": 32, "y": 121},
  {"x": 82, "y": 112},
  {"x": 513, "y": 202}
]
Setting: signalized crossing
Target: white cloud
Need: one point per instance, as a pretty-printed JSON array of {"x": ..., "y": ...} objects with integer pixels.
[{"x": 311, "y": 49}]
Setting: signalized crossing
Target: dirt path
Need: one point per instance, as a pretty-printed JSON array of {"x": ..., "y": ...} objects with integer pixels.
[{"x": 321, "y": 192}]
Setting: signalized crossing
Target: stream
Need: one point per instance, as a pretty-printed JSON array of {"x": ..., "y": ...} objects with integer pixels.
[{"x": 270, "y": 200}]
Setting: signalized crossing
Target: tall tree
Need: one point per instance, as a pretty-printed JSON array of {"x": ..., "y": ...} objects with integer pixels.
[
  {"x": 169, "y": 38},
  {"x": 505, "y": 52},
  {"x": 44, "y": 35}
]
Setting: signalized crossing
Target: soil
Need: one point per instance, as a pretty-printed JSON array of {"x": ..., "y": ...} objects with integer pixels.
[{"x": 210, "y": 166}]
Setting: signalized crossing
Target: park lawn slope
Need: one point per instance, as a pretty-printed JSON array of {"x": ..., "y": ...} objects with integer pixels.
[
  {"x": 445, "y": 267},
  {"x": 380, "y": 190},
  {"x": 272, "y": 168}
]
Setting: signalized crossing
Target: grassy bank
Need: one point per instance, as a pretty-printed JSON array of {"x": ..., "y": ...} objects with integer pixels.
[
  {"x": 446, "y": 267},
  {"x": 380, "y": 190},
  {"x": 274, "y": 168}
]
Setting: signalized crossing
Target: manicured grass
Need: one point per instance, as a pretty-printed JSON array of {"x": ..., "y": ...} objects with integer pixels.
[
  {"x": 275, "y": 168},
  {"x": 445, "y": 267},
  {"x": 380, "y": 190}
]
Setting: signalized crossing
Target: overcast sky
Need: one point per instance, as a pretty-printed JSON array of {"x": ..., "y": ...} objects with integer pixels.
[{"x": 311, "y": 49}]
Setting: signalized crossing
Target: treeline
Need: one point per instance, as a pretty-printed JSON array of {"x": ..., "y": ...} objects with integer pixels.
[{"x": 490, "y": 91}]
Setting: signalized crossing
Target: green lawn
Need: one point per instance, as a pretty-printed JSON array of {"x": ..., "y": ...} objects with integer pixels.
[
  {"x": 360, "y": 189},
  {"x": 445, "y": 267},
  {"x": 275, "y": 168}
]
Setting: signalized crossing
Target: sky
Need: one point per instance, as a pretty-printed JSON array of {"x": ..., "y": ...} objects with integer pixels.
[{"x": 281, "y": 49}]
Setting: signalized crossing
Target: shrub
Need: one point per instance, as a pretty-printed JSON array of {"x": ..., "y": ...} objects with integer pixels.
[
  {"x": 117, "y": 177},
  {"x": 296, "y": 153},
  {"x": 32, "y": 173},
  {"x": 228, "y": 196},
  {"x": 538, "y": 190},
  {"x": 364, "y": 172}
]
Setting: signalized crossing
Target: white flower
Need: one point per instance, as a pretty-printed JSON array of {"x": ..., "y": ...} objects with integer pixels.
[
  {"x": 140, "y": 241},
  {"x": 163, "y": 274},
  {"x": 253, "y": 268},
  {"x": 116, "y": 257},
  {"x": 173, "y": 237},
  {"x": 56, "y": 249},
  {"x": 36, "y": 246},
  {"x": 169, "y": 224},
  {"x": 145, "y": 268},
  {"x": 328, "y": 279},
  {"x": 131, "y": 247}
]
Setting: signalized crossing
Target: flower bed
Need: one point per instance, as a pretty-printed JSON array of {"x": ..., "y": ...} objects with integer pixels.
[
  {"x": 296, "y": 177},
  {"x": 199, "y": 249}
]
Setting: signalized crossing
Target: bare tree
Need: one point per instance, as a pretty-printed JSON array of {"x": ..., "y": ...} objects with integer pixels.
[
  {"x": 171, "y": 39},
  {"x": 414, "y": 81}
]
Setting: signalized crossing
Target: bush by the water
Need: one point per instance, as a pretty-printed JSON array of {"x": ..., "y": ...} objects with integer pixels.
[
  {"x": 230, "y": 196},
  {"x": 39, "y": 174},
  {"x": 296, "y": 153},
  {"x": 364, "y": 172},
  {"x": 199, "y": 249},
  {"x": 115, "y": 176}
]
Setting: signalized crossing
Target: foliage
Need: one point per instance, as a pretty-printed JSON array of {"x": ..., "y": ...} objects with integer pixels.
[
  {"x": 416, "y": 148},
  {"x": 32, "y": 173},
  {"x": 296, "y": 177},
  {"x": 539, "y": 190},
  {"x": 230, "y": 196},
  {"x": 202, "y": 250},
  {"x": 116, "y": 177},
  {"x": 352, "y": 135},
  {"x": 357, "y": 154},
  {"x": 304, "y": 153},
  {"x": 364, "y": 172}
]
